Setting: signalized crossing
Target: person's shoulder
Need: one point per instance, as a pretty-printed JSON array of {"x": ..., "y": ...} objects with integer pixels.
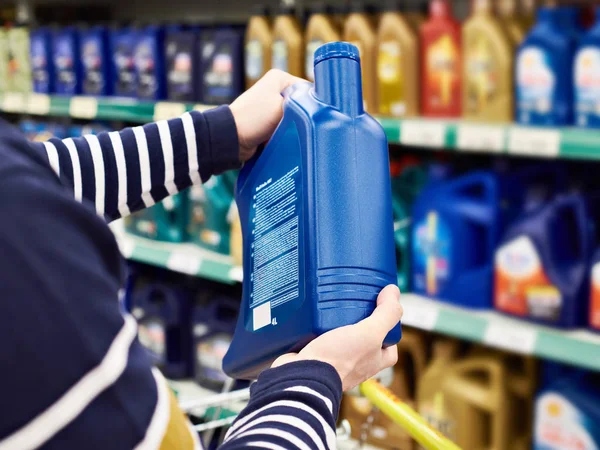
[{"x": 17, "y": 154}]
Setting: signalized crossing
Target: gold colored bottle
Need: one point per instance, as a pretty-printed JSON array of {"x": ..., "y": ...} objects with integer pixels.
[
  {"x": 359, "y": 30},
  {"x": 320, "y": 29},
  {"x": 397, "y": 64},
  {"x": 288, "y": 42},
  {"x": 413, "y": 13},
  {"x": 487, "y": 67},
  {"x": 513, "y": 24},
  {"x": 258, "y": 46}
]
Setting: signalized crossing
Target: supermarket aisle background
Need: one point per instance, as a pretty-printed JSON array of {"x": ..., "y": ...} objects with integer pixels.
[{"x": 493, "y": 132}]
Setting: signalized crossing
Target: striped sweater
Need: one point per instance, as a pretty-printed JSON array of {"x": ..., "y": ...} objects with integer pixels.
[{"x": 74, "y": 374}]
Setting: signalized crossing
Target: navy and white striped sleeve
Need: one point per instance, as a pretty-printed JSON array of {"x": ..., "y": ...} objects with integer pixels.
[{"x": 123, "y": 172}]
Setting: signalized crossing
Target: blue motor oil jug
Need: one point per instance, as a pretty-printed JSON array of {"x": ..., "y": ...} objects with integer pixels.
[
  {"x": 149, "y": 57},
  {"x": 67, "y": 62},
  {"x": 182, "y": 62},
  {"x": 42, "y": 62},
  {"x": 212, "y": 331},
  {"x": 456, "y": 227},
  {"x": 317, "y": 222},
  {"x": 165, "y": 221},
  {"x": 570, "y": 20},
  {"x": 541, "y": 266},
  {"x": 96, "y": 60},
  {"x": 221, "y": 65},
  {"x": 544, "y": 72},
  {"x": 587, "y": 78},
  {"x": 163, "y": 315},
  {"x": 567, "y": 414},
  {"x": 124, "y": 76}
]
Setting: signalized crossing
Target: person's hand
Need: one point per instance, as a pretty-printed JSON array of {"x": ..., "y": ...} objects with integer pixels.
[
  {"x": 257, "y": 111},
  {"x": 355, "y": 351}
]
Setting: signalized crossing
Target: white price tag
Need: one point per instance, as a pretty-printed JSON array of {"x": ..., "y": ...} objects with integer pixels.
[
  {"x": 420, "y": 133},
  {"x": 236, "y": 274},
  {"x": 127, "y": 246},
  {"x": 38, "y": 104},
  {"x": 513, "y": 337},
  {"x": 202, "y": 108},
  {"x": 481, "y": 138},
  {"x": 13, "y": 102},
  {"x": 168, "y": 110},
  {"x": 423, "y": 316},
  {"x": 184, "y": 263},
  {"x": 83, "y": 107},
  {"x": 534, "y": 142}
]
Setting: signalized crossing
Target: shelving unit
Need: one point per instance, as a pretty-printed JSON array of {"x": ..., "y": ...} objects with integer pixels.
[{"x": 438, "y": 135}]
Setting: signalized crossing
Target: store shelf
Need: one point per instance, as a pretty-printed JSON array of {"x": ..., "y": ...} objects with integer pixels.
[
  {"x": 189, "y": 391},
  {"x": 183, "y": 258},
  {"x": 442, "y": 135}
]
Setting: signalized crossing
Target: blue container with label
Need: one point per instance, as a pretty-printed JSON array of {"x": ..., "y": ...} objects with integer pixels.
[
  {"x": 544, "y": 72},
  {"x": 149, "y": 57},
  {"x": 456, "y": 227},
  {"x": 221, "y": 65},
  {"x": 587, "y": 78},
  {"x": 123, "y": 73},
  {"x": 182, "y": 62},
  {"x": 213, "y": 325},
  {"x": 567, "y": 414},
  {"x": 67, "y": 62},
  {"x": 306, "y": 271},
  {"x": 96, "y": 61},
  {"x": 163, "y": 315},
  {"x": 42, "y": 62},
  {"x": 541, "y": 266}
]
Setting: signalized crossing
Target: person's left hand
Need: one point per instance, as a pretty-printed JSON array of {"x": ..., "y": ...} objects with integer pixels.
[{"x": 257, "y": 111}]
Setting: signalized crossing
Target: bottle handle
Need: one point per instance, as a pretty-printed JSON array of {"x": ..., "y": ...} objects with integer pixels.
[{"x": 574, "y": 204}]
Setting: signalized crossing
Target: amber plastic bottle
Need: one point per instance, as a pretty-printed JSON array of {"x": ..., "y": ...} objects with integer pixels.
[
  {"x": 514, "y": 25},
  {"x": 288, "y": 42},
  {"x": 320, "y": 29},
  {"x": 487, "y": 78},
  {"x": 258, "y": 45},
  {"x": 359, "y": 30},
  {"x": 397, "y": 64},
  {"x": 414, "y": 12},
  {"x": 441, "y": 66}
]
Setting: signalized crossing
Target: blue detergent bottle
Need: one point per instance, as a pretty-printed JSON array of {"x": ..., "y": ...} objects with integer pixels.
[
  {"x": 541, "y": 266},
  {"x": 67, "y": 63},
  {"x": 163, "y": 315},
  {"x": 544, "y": 72},
  {"x": 96, "y": 61},
  {"x": 149, "y": 58},
  {"x": 567, "y": 414},
  {"x": 456, "y": 227},
  {"x": 587, "y": 78},
  {"x": 42, "y": 62},
  {"x": 316, "y": 214},
  {"x": 182, "y": 63},
  {"x": 123, "y": 73}
]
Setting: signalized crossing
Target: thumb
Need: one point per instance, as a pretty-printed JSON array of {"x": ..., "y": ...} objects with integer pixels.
[
  {"x": 282, "y": 79},
  {"x": 387, "y": 314}
]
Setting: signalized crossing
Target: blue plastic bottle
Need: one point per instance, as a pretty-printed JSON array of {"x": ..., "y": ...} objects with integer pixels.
[
  {"x": 149, "y": 57},
  {"x": 570, "y": 21},
  {"x": 448, "y": 218},
  {"x": 96, "y": 61},
  {"x": 182, "y": 63},
  {"x": 542, "y": 264},
  {"x": 567, "y": 414},
  {"x": 587, "y": 78},
  {"x": 163, "y": 315},
  {"x": 42, "y": 62},
  {"x": 221, "y": 65},
  {"x": 124, "y": 76},
  {"x": 544, "y": 72},
  {"x": 316, "y": 214},
  {"x": 67, "y": 62}
]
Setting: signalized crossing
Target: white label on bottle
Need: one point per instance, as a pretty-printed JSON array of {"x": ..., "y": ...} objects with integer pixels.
[
  {"x": 38, "y": 104},
  {"x": 83, "y": 107},
  {"x": 481, "y": 138},
  {"x": 511, "y": 336},
  {"x": 184, "y": 263},
  {"x": 168, "y": 110},
  {"x": 420, "y": 315},
  {"x": 534, "y": 142},
  {"x": 420, "y": 133},
  {"x": 13, "y": 102}
]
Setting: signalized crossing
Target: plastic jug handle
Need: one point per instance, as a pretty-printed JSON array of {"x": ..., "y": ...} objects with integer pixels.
[
  {"x": 573, "y": 203},
  {"x": 477, "y": 178}
]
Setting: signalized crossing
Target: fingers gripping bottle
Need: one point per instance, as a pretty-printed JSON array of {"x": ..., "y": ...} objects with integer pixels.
[{"x": 316, "y": 213}]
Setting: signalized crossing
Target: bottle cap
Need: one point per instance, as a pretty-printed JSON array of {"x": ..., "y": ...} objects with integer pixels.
[{"x": 336, "y": 50}]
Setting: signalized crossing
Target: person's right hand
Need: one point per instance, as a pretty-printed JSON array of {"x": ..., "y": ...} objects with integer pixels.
[{"x": 355, "y": 351}]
